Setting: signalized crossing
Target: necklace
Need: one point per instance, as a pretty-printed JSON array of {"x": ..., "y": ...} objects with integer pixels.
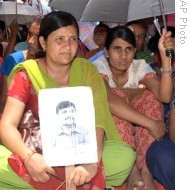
[
  {"x": 45, "y": 64},
  {"x": 60, "y": 83}
]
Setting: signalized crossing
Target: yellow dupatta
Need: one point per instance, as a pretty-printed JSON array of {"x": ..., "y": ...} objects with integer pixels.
[{"x": 82, "y": 73}]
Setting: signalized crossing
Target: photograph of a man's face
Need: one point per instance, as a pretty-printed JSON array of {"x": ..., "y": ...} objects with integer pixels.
[
  {"x": 66, "y": 112},
  {"x": 68, "y": 125}
]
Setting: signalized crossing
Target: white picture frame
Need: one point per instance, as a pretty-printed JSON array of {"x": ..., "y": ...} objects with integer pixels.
[{"x": 57, "y": 146}]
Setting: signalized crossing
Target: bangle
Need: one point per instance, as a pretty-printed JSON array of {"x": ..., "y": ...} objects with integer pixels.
[
  {"x": 29, "y": 155},
  {"x": 166, "y": 71}
]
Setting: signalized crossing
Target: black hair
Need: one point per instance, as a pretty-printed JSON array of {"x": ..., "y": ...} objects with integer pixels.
[
  {"x": 120, "y": 32},
  {"x": 103, "y": 26},
  {"x": 1, "y": 50},
  {"x": 2, "y": 25},
  {"x": 22, "y": 33},
  {"x": 153, "y": 41},
  {"x": 53, "y": 21},
  {"x": 172, "y": 30},
  {"x": 136, "y": 22},
  {"x": 4, "y": 29},
  {"x": 64, "y": 104}
]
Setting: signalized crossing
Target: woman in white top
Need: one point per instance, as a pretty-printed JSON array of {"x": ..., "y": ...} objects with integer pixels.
[{"x": 124, "y": 74}]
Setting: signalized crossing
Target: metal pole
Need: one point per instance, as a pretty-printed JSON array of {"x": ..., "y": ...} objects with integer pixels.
[
  {"x": 169, "y": 52},
  {"x": 16, "y": 10},
  {"x": 163, "y": 14}
]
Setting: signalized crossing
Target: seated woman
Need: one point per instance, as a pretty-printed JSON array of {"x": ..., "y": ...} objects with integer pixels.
[
  {"x": 121, "y": 72},
  {"x": 99, "y": 37},
  {"x": 58, "y": 67}
]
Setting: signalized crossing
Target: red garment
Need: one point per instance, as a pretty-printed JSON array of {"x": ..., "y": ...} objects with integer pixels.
[
  {"x": 149, "y": 105},
  {"x": 26, "y": 93},
  {"x": 124, "y": 127},
  {"x": 53, "y": 183},
  {"x": 83, "y": 49},
  {"x": 139, "y": 137}
]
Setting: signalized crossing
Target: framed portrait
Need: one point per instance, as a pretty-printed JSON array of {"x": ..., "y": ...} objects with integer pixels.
[{"x": 67, "y": 124}]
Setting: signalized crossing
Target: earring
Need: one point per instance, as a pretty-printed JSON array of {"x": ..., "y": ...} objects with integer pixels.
[{"x": 44, "y": 50}]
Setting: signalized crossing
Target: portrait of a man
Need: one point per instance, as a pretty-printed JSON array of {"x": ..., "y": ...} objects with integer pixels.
[
  {"x": 67, "y": 125},
  {"x": 69, "y": 134}
]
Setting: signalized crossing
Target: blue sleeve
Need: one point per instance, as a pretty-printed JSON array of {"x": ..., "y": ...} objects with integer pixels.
[
  {"x": 10, "y": 61},
  {"x": 96, "y": 56},
  {"x": 7, "y": 65}
]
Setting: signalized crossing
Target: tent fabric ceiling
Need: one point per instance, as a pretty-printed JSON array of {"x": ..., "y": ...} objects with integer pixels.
[
  {"x": 75, "y": 7},
  {"x": 104, "y": 10},
  {"x": 113, "y": 10},
  {"x": 139, "y": 9}
]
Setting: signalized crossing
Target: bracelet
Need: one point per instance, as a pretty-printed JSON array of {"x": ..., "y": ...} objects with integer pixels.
[
  {"x": 166, "y": 71},
  {"x": 29, "y": 155}
]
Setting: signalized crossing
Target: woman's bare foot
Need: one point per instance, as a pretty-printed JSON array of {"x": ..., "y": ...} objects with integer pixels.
[
  {"x": 135, "y": 180},
  {"x": 148, "y": 179}
]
